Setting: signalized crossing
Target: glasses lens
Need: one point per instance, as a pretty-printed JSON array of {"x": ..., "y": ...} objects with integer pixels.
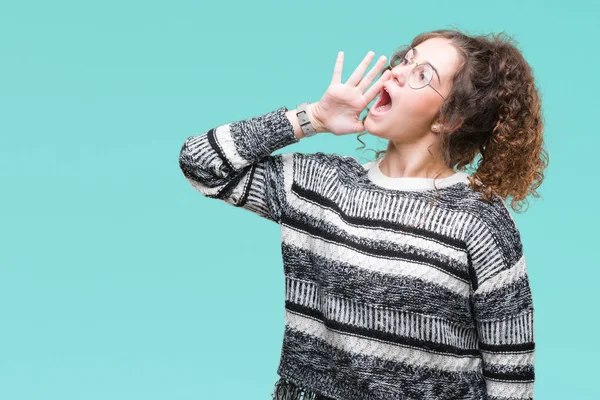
[
  {"x": 420, "y": 76},
  {"x": 397, "y": 56}
]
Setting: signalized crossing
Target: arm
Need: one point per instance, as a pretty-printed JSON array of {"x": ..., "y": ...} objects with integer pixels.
[
  {"x": 232, "y": 162},
  {"x": 502, "y": 306}
]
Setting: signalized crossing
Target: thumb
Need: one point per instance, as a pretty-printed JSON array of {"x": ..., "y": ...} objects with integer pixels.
[
  {"x": 374, "y": 90},
  {"x": 358, "y": 126}
]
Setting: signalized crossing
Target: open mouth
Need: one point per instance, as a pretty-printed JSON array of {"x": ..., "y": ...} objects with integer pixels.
[{"x": 383, "y": 103}]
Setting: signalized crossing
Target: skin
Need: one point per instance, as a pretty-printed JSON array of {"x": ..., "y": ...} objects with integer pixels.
[{"x": 410, "y": 126}]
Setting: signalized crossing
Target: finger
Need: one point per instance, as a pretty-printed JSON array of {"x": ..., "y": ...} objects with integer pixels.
[
  {"x": 374, "y": 90},
  {"x": 360, "y": 70},
  {"x": 364, "y": 84},
  {"x": 358, "y": 126},
  {"x": 337, "y": 70}
]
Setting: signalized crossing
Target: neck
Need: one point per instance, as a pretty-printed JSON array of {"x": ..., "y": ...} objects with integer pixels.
[{"x": 408, "y": 160}]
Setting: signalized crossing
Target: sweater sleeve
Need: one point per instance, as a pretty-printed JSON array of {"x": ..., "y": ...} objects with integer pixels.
[
  {"x": 232, "y": 162},
  {"x": 502, "y": 306}
]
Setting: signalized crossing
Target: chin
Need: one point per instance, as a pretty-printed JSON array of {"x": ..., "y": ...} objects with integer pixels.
[{"x": 375, "y": 128}]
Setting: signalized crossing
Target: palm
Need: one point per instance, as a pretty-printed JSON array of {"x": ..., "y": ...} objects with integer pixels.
[
  {"x": 343, "y": 103},
  {"x": 340, "y": 107}
]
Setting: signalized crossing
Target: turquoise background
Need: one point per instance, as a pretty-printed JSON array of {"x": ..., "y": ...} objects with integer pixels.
[{"x": 120, "y": 281}]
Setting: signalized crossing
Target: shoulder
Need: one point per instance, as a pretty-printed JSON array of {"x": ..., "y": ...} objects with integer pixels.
[
  {"x": 494, "y": 213},
  {"x": 330, "y": 158},
  {"x": 492, "y": 224},
  {"x": 320, "y": 170},
  {"x": 325, "y": 161}
]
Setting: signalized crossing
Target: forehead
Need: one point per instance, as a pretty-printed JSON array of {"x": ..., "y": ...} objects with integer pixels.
[{"x": 440, "y": 53}]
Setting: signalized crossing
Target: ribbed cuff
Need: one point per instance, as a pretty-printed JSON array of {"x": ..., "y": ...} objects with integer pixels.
[{"x": 257, "y": 137}]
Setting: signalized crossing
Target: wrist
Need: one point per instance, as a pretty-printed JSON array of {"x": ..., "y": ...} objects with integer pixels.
[{"x": 314, "y": 119}]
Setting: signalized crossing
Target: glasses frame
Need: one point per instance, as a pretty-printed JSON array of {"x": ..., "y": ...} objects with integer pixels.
[{"x": 411, "y": 71}]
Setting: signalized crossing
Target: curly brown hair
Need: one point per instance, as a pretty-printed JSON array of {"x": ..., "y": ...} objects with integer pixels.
[{"x": 494, "y": 96}]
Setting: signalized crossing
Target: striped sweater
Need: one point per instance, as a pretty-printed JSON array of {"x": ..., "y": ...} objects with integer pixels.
[{"x": 394, "y": 288}]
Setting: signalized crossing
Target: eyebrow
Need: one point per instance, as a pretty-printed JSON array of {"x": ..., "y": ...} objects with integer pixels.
[{"x": 416, "y": 53}]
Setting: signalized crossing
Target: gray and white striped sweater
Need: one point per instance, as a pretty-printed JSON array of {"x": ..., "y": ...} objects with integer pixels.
[{"x": 393, "y": 290}]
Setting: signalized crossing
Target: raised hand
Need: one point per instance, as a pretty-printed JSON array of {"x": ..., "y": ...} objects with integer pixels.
[{"x": 339, "y": 109}]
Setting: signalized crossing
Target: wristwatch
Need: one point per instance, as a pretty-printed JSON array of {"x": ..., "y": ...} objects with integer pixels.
[{"x": 307, "y": 128}]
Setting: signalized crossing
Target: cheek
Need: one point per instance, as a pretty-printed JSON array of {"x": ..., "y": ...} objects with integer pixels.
[
  {"x": 410, "y": 115},
  {"x": 418, "y": 105}
]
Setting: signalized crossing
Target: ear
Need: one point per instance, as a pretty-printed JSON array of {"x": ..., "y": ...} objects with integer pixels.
[{"x": 446, "y": 127}]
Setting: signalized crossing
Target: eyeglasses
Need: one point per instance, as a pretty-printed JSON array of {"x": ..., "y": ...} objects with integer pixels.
[{"x": 421, "y": 74}]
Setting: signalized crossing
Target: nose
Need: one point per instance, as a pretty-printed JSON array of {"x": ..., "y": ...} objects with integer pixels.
[{"x": 398, "y": 74}]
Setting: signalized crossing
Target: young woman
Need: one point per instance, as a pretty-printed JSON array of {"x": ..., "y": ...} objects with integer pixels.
[{"x": 405, "y": 277}]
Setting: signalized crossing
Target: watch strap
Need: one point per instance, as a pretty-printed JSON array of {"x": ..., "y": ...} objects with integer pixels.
[{"x": 307, "y": 127}]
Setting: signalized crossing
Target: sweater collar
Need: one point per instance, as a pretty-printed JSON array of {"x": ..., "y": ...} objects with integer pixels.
[{"x": 411, "y": 183}]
